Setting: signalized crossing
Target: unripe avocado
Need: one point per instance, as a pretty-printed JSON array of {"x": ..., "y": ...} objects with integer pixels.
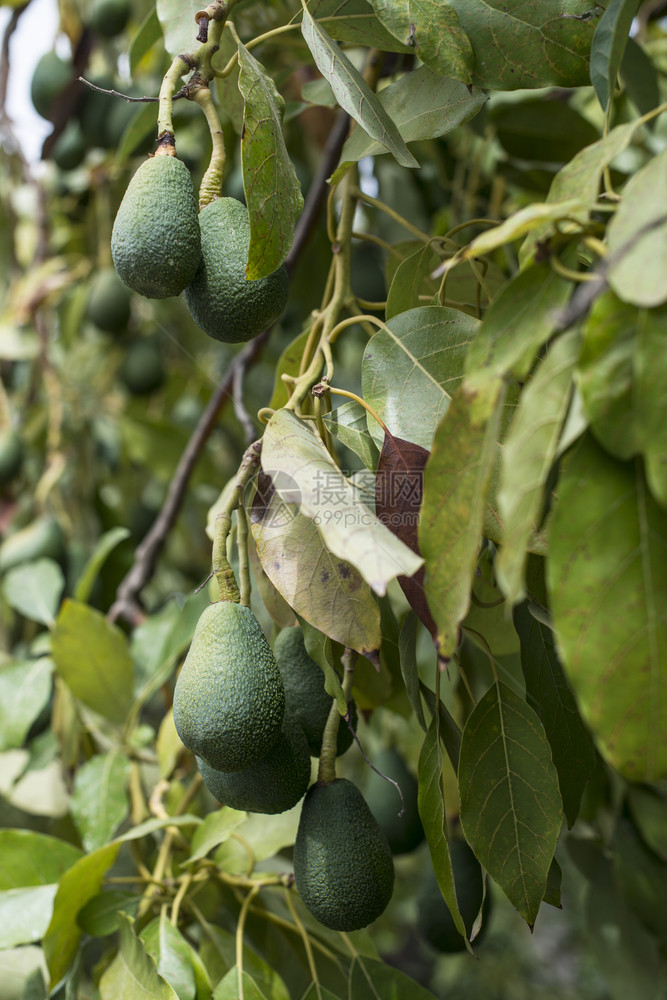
[
  {"x": 51, "y": 77},
  {"x": 109, "y": 17},
  {"x": 11, "y": 455},
  {"x": 142, "y": 369},
  {"x": 108, "y": 304},
  {"x": 434, "y": 921},
  {"x": 229, "y": 700},
  {"x": 69, "y": 148},
  {"x": 405, "y": 832},
  {"x": 155, "y": 242},
  {"x": 305, "y": 696},
  {"x": 40, "y": 540},
  {"x": 271, "y": 786},
  {"x": 343, "y": 865},
  {"x": 220, "y": 300}
]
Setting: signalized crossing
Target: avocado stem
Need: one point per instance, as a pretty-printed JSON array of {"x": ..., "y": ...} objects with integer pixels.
[
  {"x": 326, "y": 772},
  {"x": 211, "y": 184},
  {"x": 165, "y": 121},
  {"x": 223, "y": 572}
]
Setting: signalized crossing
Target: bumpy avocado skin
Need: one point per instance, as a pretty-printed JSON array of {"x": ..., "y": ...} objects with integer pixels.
[
  {"x": 405, "y": 832},
  {"x": 229, "y": 700},
  {"x": 155, "y": 242},
  {"x": 434, "y": 921},
  {"x": 221, "y": 301},
  {"x": 273, "y": 785},
  {"x": 342, "y": 862},
  {"x": 305, "y": 696}
]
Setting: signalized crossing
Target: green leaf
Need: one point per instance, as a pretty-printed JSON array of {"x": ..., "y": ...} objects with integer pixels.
[
  {"x": 607, "y": 577},
  {"x": 100, "y": 799},
  {"x": 407, "y": 642},
  {"x": 412, "y": 280},
  {"x": 148, "y": 33},
  {"x": 293, "y": 553},
  {"x": 434, "y": 820},
  {"x": 608, "y": 45},
  {"x": 139, "y": 128},
  {"x": 172, "y": 955},
  {"x": 371, "y": 980},
  {"x": 642, "y": 878},
  {"x": 178, "y": 25},
  {"x": 25, "y": 689},
  {"x": 235, "y": 987},
  {"x": 320, "y": 649},
  {"x": 349, "y": 424},
  {"x": 103, "y": 549},
  {"x": 352, "y": 92},
  {"x": 548, "y": 692},
  {"x": 434, "y": 32},
  {"x": 354, "y": 21},
  {"x": 25, "y": 914},
  {"x": 215, "y": 829},
  {"x": 92, "y": 658},
  {"x": 638, "y": 237},
  {"x": 348, "y": 528},
  {"x": 510, "y": 803},
  {"x": 132, "y": 974},
  {"x": 163, "y": 637},
  {"x": 554, "y": 879},
  {"x": 528, "y": 452},
  {"x": 99, "y": 916},
  {"x": 28, "y": 858},
  {"x": 272, "y": 189},
  {"x": 33, "y": 589},
  {"x": 640, "y": 77},
  {"x": 526, "y": 43},
  {"x": 450, "y": 734},
  {"x": 319, "y": 992},
  {"x": 520, "y": 320},
  {"x": 541, "y": 129},
  {"x": 288, "y": 364},
  {"x": 411, "y": 369},
  {"x": 456, "y": 481},
  {"x": 649, "y": 812},
  {"x": 77, "y": 886}
]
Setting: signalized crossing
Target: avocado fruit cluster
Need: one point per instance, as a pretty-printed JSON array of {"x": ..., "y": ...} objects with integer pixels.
[
  {"x": 305, "y": 694},
  {"x": 221, "y": 301},
  {"x": 155, "y": 241},
  {"x": 403, "y": 832},
  {"x": 434, "y": 920}
]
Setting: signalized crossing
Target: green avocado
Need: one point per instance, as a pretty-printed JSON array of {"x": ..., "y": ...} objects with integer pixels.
[
  {"x": 108, "y": 304},
  {"x": 229, "y": 700},
  {"x": 11, "y": 455},
  {"x": 434, "y": 921},
  {"x": 109, "y": 17},
  {"x": 220, "y": 300},
  {"x": 142, "y": 369},
  {"x": 42, "y": 539},
  {"x": 69, "y": 148},
  {"x": 155, "y": 242},
  {"x": 405, "y": 832},
  {"x": 343, "y": 865},
  {"x": 51, "y": 77},
  {"x": 274, "y": 784},
  {"x": 305, "y": 696}
]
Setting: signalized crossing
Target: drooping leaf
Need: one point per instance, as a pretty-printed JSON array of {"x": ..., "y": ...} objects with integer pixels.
[
  {"x": 320, "y": 649},
  {"x": 529, "y": 449},
  {"x": 92, "y": 658},
  {"x": 352, "y": 92},
  {"x": 373, "y": 980},
  {"x": 407, "y": 642},
  {"x": 172, "y": 955},
  {"x": 293, "y": 554},
  {"x": 355, "y": 21},
  {"x": 25, "y": 688},
  {"x": 147, "y": 35},
  {"x": 450, "y": 734},
  {"x": 608, "y": 46},
  {"x": 637, "y": 237},
  {"x": 411, "y": 280},
  {"x": 455, "y": 489},
  {"x": 100, "y": 800},
  {"x": 607, "y": 577},
  {"x": 510, "y": 803},
  {"x": 28, "y": 858},
  {"x": 230, "y": 98},
  {"x": 347, "y": 527},
  {"x": 349, "y": 424},
  {"x": 34, "y": 589},
  {"x": 398, "y": 496},
  {"x": 541, "y": 129},
  {"x": 423, "y": 104},
  {"x": 178, "y": 25},
  {"x": 100, "y": 915},
  {"x": 132, "y": 974},
  {"x": 272, "y": 189},
  {"x": 649, "y": 812},
  {"x": 412, "y": 367},
  {"x": 103, "y": 548},
  {"x": 554, "y": 880},
  {"x": 640, "y": 77},
  {"x": 549, "y": 694},
  {"x": 434, "y": 820}
]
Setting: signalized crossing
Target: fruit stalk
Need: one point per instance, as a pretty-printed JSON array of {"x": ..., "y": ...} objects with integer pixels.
[
  {"x": 222, "y": 571},
  {"x": 211, "y": 184},
  {"x": 326, "y": 772}
]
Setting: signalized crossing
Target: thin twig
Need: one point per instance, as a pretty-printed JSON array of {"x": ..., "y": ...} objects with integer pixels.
[{"x": 240, "y": 412}]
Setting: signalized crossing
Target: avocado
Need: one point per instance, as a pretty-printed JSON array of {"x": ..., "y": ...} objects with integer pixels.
[
  {"x": 11, "y": 455},
  {"x": 142, "y": 369},
  {"x": 220, "y": 300},
  {"x": 51, "y": 77},
  {"x": 94, "y": 111},
  {"x": 69, "y": 148},
  {"x": 109, "y": 17},
  {"x": 229, "y": 700},
  {"x": 108, "y": 304},
  {"x": 155, "y": 242},
  {"x": 343, "y": 865},
  {"x": 305, "y": 695},
  {"x": 405, "y": 832},
  {"x": 40, "y": 540},
  {"x": 274, "y": 784},
  {"x": 434, "y": 921}
]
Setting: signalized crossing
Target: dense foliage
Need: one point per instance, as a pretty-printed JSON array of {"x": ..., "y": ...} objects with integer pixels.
[{"x": 446, "y": 462}]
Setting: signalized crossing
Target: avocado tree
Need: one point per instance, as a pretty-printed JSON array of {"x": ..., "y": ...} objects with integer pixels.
[{"x": 333, "y": 500}]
